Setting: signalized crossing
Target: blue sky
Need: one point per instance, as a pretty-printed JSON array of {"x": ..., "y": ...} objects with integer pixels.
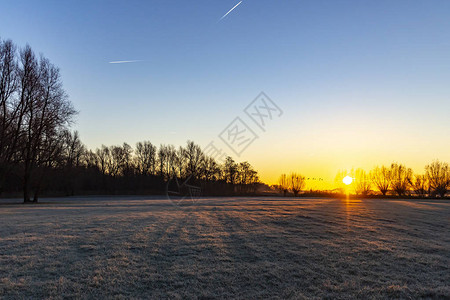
[{"x": 349, "y": 75}]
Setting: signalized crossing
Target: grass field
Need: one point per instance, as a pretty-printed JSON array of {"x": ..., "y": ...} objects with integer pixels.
[{"x": 134, "y": 247}]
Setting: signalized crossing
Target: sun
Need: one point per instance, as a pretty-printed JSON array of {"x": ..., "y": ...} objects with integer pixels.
[{"x": 347, "y": 180}]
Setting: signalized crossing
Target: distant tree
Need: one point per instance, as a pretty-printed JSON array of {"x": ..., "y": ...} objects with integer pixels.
[
  {"x": 168, "y": 161},
  {"x": 172, "y": 158},
  {"x": 420, "y": 185},
  {"x": 381, "y": 178},
  {"x": 210, "y": 170},
  {"x": 283, "y": 184},
  {"x": 245, "y": 173},
  {"x": 362, "y": 182},
  {"x": 72, "y": 149},
  {"x": 180, "y": 162},
  {"x": 90, "y": 160},
  {"x": 438, "y": 175},
  {"x": 194, "y": 158},
  {"x": 72, "y": 153},
  {"x": 246, "y": 176},
  {"x": 162, "y": 160},
  {"x": 104, "y": 159},
  {"x": 297, "y": 182},
  {"x": 145, "y": 157},
  {"x": 400, "y": 179},
  {"x": 123, "y": 158},
  {"x": 230, "y": 170},
  {"x": 120, "y": 157}
]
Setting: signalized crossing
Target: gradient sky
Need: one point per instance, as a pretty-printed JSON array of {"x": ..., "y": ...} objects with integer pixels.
[{"x": 361, "y": 83}]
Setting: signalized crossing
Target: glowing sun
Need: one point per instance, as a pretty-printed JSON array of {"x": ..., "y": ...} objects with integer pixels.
[{"x": 347, "y": 180}]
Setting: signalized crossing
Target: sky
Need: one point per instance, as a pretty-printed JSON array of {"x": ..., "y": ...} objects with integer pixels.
[{"x": 359, "y": 83}]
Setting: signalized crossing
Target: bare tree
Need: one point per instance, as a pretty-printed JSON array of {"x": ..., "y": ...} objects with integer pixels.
[
  {"x": 172, "y": 158},
  {"x": 68, "y": 154},
  {"x": 381, "y": 178},
  {"x": 401, "y": 177},
  {"x": 73, "y": 149},
  {"x": 180, "y": 162},
  {"x": 167, "y": 157},
  {"x": 121, "y": 160},
  {"x": 420, "y": 185},
  {"x": 145, "y": 157},
  {"x": 116, "y": 160},
  {"x": 297, "y": 182},
  {"x": 162, "y": 157},
  {"x": 283, "y": 184},
  {"x": 8, "y": 89},
  {"x": 210, "y": 169},
  {"x": 246, "y": 177},
  {"x": 46, "y": 111},
  {"x": 194, "y": 157},
  {"x": 90, "y": 160},
  {"x": 438, "y": 174},
  {"x": 362, "y": 182},
  {"x": 104, "y": 159},
  {"x": 244, "y": 171},
  {"x": 230, "y": 170}
]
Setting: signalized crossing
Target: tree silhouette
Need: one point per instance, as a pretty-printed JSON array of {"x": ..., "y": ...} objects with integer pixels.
[
  {"x": 438, "y": 174},
  {"x": 363, "y": 183},
  {"x": 247, "y": 177},
  {"x": 420, "y": 185},
  {"x": 296, "y": 183},
  {"x": 381, "y": 178},
  {"x": 10, "y": 108},
  {"x": 194, "y": 159},
  {"x": 104, "y": 159},
  {"x": 35, "y": 112},
  {"x": 210, "y": 169},
  {"x": 230, "y": 170},
  {"x": 400, "y": 179},
  {"x": 283, "y": 184},
  {"x": 145, "y": 158}
]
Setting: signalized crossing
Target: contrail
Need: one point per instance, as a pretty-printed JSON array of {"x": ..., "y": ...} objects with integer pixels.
[
  {"x": 123, "y": 61},
  {"x": 230, "y": 11}
]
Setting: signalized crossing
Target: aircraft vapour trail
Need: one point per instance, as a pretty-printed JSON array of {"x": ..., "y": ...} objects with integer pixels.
[
  {"x": 123, "y": 61},
  {"x": 230, "y": 11}
]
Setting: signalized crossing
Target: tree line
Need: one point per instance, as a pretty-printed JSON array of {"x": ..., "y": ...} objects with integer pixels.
[
  {"x": 157, "y": 165},
  {"x": 40, "y": 154},
  {"x": 396, "y": 179}
]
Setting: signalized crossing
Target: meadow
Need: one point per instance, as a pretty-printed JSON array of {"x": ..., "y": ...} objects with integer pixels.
[{"x": 225, "y": 248}]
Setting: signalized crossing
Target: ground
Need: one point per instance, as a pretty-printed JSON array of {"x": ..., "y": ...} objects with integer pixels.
[{"x": 134, "y": 247}]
